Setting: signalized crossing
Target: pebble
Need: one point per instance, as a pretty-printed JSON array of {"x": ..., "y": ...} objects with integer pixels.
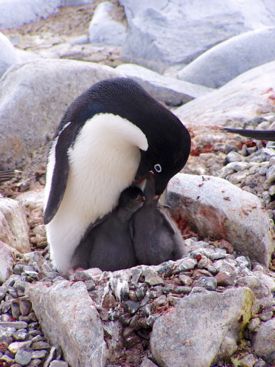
[
  {"x": 270, "y": 175},
  {"x": 7, "y": 359},
  {"x": 225, "y": 279},
  {"x": 234, "y": 157},
  {"x": 248, "y": 360},
  {"x": 15, "y": 346},
  {"x": 185, "y": 265},
  {"x": 254, "y": 324},
  {"x": 58, "y": 364},
  {"x": 151, "y": 277},
  {"x": 20, "y": 334},
  {"x": 13, "y": 324},
  {"x": 25, "y": 307},
  {"x": 266, "y": 315},
  {"x": 185, "y": 279},
  {"x": 39, "y": 354},
  {"x": 23, "y": 357},
  {"x": 40, "y": 345},
  {"x": 210, "y": 283}
]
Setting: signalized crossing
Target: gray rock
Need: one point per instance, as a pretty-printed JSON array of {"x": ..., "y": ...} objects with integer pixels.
[
  {"x": 200, "y": 328},
  {"x": 7, "y": 260},
  {"x": 76, "y": 3},
  {"x": 151, "y": 277},
  {"x": 33, "y": 99},
  {"x": 147, "y": 363},
  {"x": 230, "y": 58},
  {"x": 239, "y": 100},
  {"x": 31, "y": 199},
  {"x": 13, "y": 324},
  {"x": 264, "y": 341},
  {"x": 8, "y": 54},
  {"x": 23, "y": 357},
  {"x": 14, "y": 230},
  {"x": 221, "y": 210},
  {"x": 171, "y": 91},
  {"x": 185, "y": 264},
  {"x": 26, "y": 11},
  {"x": 104, "y": 29},
  {"x": 59, "y": 364},
  {"x": 82, "y": 340},
  {"x": 163, "y": 33}
]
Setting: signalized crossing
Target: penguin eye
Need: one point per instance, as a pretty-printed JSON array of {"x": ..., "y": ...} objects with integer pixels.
[{"x": 158, "y": 168}]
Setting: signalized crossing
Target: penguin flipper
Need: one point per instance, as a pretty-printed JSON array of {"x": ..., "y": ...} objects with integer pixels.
[
  {"x": 60, "y": 175},
  {"x": 255, "y": 134}
]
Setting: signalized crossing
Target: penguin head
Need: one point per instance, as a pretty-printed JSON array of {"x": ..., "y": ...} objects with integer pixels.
[{"x": 131, "y": 198}]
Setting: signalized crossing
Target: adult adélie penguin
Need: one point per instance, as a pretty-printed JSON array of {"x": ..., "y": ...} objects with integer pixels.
[{"x": 111, "y": 136}]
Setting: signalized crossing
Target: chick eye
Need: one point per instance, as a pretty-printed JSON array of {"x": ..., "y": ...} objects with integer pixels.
[{"x": 158, "y": 168}]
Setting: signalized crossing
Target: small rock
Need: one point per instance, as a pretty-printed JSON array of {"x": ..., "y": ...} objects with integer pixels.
[
  {"x": 13, "y": 324},
  {"x": 270, "y": 175},
  {"x": 23, "y": 357},
  {"x": 15, "y": 311},
  {"x": 20, "y": 334},
  {"x": 151, "y": 277},
  {"x": 264, "y": 340},
  {"x": 25, "y": 307},
  {"x": 132, "y": 306},
  {"x": 38, "y": 345},
  {"x": 223, "y": 279},
  {"x": 59, "y": 364},
  {"x": 7, "y": 260},
  {"x": 15, "y": 346},
  {"x": 185, "y": 279},
  {"x": 234, "y": 157},
  {"x": 7, "y": 360},
  {"x": 254, "y": 324},
  {"x": 14, "y": 229},
  {"x": 185, "y": 265},
  {"x": 210, "y": 283},
  {"x": 39, "y": 354},
  {"x": 146, "y": 362},
  {"x": 248, "y": 360}
]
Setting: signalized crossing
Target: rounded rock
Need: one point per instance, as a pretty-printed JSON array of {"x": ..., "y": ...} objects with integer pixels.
[{"x": 23, "y": 357}]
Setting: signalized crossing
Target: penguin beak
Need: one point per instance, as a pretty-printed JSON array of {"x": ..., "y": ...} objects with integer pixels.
[{"x": 160, "y": 184}]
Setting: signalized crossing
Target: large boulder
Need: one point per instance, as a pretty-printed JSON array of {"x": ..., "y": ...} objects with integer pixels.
[
  {"x": 69, "y": 318},
  {"x": 8, "y": 54},
  {"x": 163, "y": 33},
  {"x": 240, "y": 100},
  {"x": 104, "y": 28},
  {"x": 220, "y": 210},
  {"x": 230, "y": 58},
  {"x": 202, "y": 327},
  {"x": 7, "y": 261},
  {"x": 264, "y": 341},
  {"x": 16, "y": 12},
  {"x": 33, "y": 99},
  {"x": 14, "y": 230},
  {"x": 169, "y": 90}
]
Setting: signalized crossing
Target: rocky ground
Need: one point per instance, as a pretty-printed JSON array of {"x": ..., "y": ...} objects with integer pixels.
[{"x": 138, "y": 314}]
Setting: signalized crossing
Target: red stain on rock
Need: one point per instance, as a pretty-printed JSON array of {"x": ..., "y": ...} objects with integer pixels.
[{"x": 210, "y": 222}]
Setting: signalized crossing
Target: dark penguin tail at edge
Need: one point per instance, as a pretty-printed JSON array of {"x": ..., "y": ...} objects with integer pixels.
[{"x": 255, "y": 134}]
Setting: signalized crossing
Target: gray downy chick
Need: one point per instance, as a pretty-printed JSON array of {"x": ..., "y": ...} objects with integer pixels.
[
  {"x": 107, "y": 243},
  {"x": 155, "y": 236}
]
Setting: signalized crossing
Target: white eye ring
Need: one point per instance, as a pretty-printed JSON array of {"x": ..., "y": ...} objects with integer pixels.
[{"x": 157, "y": 168}]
